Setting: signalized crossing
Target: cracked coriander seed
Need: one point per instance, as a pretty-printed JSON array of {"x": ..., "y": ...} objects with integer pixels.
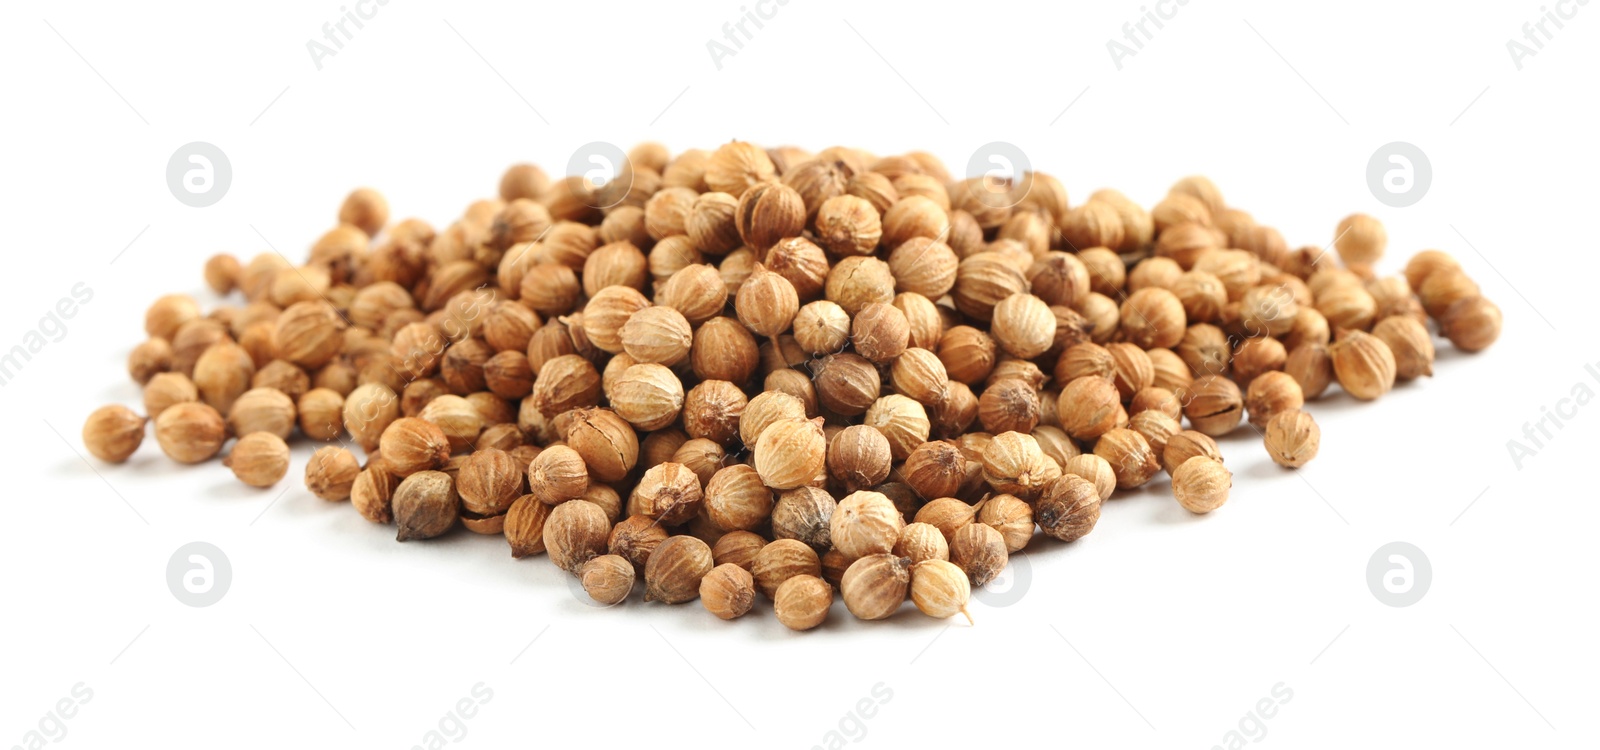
[
  {"x": 668, "y": 492},
  {"x": 1215, "y": 405},
  {"x": 372, "y": 495}
]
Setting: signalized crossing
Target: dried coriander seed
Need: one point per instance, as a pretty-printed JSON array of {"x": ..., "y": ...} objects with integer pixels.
[
  {"x": 790, "y": 453},
  {"x": 372, "y": 495},
  {"x": 805, "y": 514},
  {"x": 1292, "y": 439},
  {"x": 1201, "y": 484},
  {"x": 1069, "y": 508},
  {"x": 575, "y": 532},
  {"x": 672, "y": 574},
  {"x": 489, "y": 482},
  {"x": 259, "y": 459},
  {"x": 979, "y": 550},
  {"x": 934, "y": 470},
  {"x": 875, "y": 586},
  {"x": 940, "y": 589},
  {"x": 410, "y": 445},
  {"x": 1013, "y": 463},
  {"x": 669, "y": 493},
  {"x": 606, "y": 441},
  {"x": 727, "y": 591},
  {"x": 1094, "y": 469},
  {"x": 113, "y": 433},
  {"x": 1186, "y": 445},
  {"x": 558, "y": 474},
  {"x": 865, "y": 523},
  {"x": 738, "y": 547},
  {"x": 189, "y": 433},
  {"x": 859, "y": 456},
  {"x": 1472, "y": 323},
  {"x": 1410, "y": 343},
  {"x": 1364, "y": 365},
  {"x": 425, "y": 505},
  {"x": 1010, "y": 516},
  {"x": 607, "y": 579},
  {"x": 1272, "y": 394},
  {"x": 635, "y": 538},
  {"x": 802, "y": 602},
  {"x": 1215, "y": 405},
  {"x": 331, "y": 473},
  {"x": 781, "y": 560}
]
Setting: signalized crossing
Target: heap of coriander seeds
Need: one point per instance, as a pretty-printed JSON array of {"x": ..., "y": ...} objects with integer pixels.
[{"x": 749, "y": 374}]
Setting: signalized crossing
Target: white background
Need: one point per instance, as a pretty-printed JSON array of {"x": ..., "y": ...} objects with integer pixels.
[{"x": 1158, "y": 630}]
